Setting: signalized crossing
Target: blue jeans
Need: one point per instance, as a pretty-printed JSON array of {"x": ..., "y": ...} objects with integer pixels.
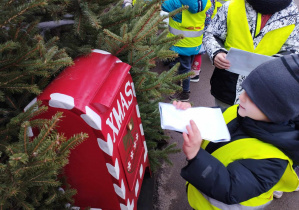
[{"x": 185, "y": 67}]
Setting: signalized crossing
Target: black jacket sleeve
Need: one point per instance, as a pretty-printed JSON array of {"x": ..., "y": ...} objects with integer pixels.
[{"x": 239, "y": 181}]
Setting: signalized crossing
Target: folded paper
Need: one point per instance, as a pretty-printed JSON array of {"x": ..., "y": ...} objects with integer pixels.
[
  {"x": 243, "y": 62},
  {"x": 209, "y": 121}
]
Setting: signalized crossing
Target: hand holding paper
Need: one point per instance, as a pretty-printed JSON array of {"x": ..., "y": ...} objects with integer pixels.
[
  {"x": 192, "y": 141},
  {"x": 221, "y": 62},
  {"x": 209, "y": 121}
]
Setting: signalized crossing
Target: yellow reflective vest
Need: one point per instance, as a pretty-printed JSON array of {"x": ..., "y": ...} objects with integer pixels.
[
  {"x": 239, "y": 36},
  {"x": 191, "y": 27},
  {"x": 234, "y": 151}
]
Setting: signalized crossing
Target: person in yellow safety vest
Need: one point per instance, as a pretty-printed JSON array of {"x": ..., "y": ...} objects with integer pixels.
[
  {"x": 258, "y": 160},
  {"x": 190, "y": 24},
  {"x": 267, "y": 27}
]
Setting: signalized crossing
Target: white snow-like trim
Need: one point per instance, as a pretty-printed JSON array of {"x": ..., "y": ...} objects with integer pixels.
[
  {"x": 141, "y": 171},
  {"x": 133, "y": 87},
  {"x": 120, "y": 191},
  {"x": 145, "y": 151},
  {"x": 136, "y": 188},
  {"x": 129, "y": 206},
  {"x": 92, "y": 118},
  {"x": 59, "y": 100},
  {"x": 60, "y": 189},
  {"x": 141, "y": 129},
  {"x": 137, "y": 110},
  {"x": 30, "y": 104},
  {"x": 29, "y": 131},
  {"x": 114, "y": 170},
  {"x": 75, "y": 208},
  {"x": 118, "y": 61},
  {"x": 101, "y": 52},
  {"x": 107, "y": 147},
  {"x": 95, "y": 209}
]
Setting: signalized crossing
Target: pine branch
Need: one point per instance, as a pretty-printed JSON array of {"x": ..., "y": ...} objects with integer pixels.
[
  {"x": 152, "y": 14},
  {"x": 90, "y": 16},
  {"x": 22, "y": 10},
  {"x": 9, "y": 45},
  {"x": 25, "y": 136},
  {"x": 144, "y": 56},
  {"x": 42, "y": 136},
  {"x": 74, "y": 141}
]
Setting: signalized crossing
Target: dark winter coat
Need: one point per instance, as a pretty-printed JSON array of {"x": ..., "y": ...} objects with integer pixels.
[{"x": 245, "y": 178}]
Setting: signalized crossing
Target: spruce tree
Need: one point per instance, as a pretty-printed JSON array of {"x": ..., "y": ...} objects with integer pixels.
[{"x": 38, "y": 39}]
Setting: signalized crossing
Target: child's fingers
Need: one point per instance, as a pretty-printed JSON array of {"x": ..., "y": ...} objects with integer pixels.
[
  {"x": 190, "y": 131},
  {"x": 184, "y": 105},
  {"x": 194, "y": 128},
  {"x": 178, "y": 105},
  {"x": 185, "y": 137},
  {"x": 181, "y": 105}
]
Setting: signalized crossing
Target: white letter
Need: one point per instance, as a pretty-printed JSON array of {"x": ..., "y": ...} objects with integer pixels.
[
  {"x": 123, "y": 102},
  {"x": 128, "y": 93},
  {"x": 118, "y": 116},
  {"x": 111, "y": 125}
]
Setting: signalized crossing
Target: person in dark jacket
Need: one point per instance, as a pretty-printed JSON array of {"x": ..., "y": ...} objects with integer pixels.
[{"x": 244, "y": 172}]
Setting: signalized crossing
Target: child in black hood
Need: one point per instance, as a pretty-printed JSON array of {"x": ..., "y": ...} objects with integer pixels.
[{"x": 244, "y": 172}]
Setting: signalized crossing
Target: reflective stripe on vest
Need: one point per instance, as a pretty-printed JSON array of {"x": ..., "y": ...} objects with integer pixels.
[
  {"x": 235, "y": 151},
  {"x": 239, "y": 36},
  {"x": 185, "y": 33},
  {"x": 191, "y": 27}
]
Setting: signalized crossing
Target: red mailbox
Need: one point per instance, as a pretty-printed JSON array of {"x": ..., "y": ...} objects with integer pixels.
[{"x": 97, "y": 97}]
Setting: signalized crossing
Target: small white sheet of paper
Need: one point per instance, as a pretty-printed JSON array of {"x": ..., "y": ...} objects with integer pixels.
[
  {"x": 209, "y": 121},
  {"x": 243, "y": 62}
]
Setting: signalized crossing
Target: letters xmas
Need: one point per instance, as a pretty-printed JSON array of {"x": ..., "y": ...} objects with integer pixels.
[
  {"x": 115, "y": 122},
  {"x": 118, "y": 113}
]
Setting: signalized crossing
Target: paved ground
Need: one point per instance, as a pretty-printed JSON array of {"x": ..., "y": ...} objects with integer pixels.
[{"x": 169, "y": 188}]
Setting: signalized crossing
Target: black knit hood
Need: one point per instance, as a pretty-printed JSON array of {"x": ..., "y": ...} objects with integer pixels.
[{"x": 269, "y": 6}]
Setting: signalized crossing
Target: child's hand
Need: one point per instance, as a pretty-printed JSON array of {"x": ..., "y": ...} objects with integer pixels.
[
  {"x": 181, "y": 105},
  {"x": 221, "y": 62},
  {"x": 192, "y": 141}
]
